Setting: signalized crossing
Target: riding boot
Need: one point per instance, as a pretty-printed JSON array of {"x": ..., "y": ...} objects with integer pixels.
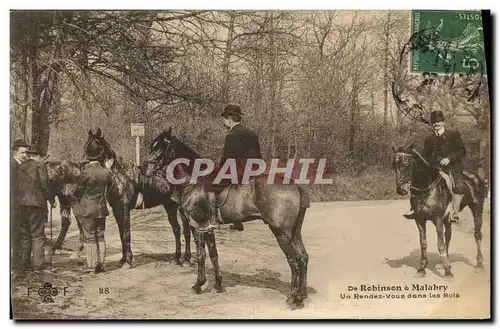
[
  {"x": 237, "y": 227},
  {"x": 458, "y": 187},
  {"x": 101, "y": 255},
  {"x": 90, "y": 252},
  {"x": 410, "y": 214}
]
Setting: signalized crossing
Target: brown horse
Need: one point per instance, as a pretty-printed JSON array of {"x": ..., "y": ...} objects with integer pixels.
[
  {"x": 62, "y": 176},
  {"x": 123, "y": 197},
  {"x": 277, "y": 205},
  {"x": 431, "y": 200}
]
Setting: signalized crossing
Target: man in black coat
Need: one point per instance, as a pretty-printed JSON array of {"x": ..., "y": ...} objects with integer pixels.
[
  {"x": 90, "y": 207},
  {"x": 444, "y": 148},
  {"x": 19, "y": 155},
  {"x": 31, "y": 196},
  {"x": 241, "y": 143}
]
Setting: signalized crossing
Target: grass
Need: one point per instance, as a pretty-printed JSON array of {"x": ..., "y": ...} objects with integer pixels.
[{"x": 372, "y": 184}]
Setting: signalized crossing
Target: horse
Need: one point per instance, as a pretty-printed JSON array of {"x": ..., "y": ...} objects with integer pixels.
[
  {"x": 431, "y": 199},
  {"x": 125, "y": 194},
  {"x": 277, "y": 205},
  {"x": 62, "y": 175}
]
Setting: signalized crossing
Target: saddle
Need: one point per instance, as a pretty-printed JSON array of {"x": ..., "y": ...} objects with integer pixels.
[{"x": 448, "y": 178}]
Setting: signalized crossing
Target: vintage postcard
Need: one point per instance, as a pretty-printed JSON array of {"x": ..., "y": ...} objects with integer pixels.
[{"x": 250, "y": 164}]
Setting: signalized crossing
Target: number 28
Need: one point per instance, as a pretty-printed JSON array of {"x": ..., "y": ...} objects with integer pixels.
[{"x": 103, "y": 291}]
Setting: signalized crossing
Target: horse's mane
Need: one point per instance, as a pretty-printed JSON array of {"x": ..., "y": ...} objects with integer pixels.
[{"x": 182, "y": 150}]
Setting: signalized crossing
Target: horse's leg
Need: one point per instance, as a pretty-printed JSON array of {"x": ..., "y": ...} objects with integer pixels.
[
  {"x": 303, "y": 257},
  {"x": 127, "y": 238},
  {"x": 201, "y": 255},
  {"x": 214, "y": 257},
  {"x": 187, "y": 240},
  {"x": 172, "y": 219},
  {"x": 422, "y": 230},
  {"x": 65, "y": 223},
  {"x": 440, "y": 224},
  {"x": 81, "y": 237},
  {"x": 285, "y": 242},
  {"x": 119, "y": 214},
  {"x": 477, "y": 213}
]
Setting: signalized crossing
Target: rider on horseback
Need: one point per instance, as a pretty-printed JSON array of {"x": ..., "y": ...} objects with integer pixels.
[
  {"x": 446, "y": 149},
  {"x": 240, "y": 144}
]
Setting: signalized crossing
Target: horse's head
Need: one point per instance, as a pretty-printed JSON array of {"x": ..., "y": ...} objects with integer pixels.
[
  {"x": 402, "y": 164},
  {"x": 161, "y": 151},
  {"x": 97, "y": 148}
]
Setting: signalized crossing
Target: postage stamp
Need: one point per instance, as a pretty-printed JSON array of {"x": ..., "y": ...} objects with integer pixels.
[
  {"x": 236, "y": 164},
  {"x": 448, "y": 41}
]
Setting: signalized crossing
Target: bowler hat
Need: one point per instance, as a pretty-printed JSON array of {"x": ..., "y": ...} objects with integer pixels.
[
  {"x": 19, "y": 143},
  {"x": 33, "y": 149},
  {"x": 231, "y": 110},
  {"x": 437, "y": 116}
]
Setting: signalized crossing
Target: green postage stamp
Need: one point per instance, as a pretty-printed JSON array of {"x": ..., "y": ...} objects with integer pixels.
[{"x": 447, "y": 42}]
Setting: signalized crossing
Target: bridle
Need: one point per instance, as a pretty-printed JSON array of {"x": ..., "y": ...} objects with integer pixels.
[{"x": 408, "y": 179}]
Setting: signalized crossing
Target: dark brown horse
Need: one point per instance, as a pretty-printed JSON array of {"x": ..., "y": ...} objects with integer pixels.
[
  {"x": 62, "y": 176},
  {"x": 431, "y": 200},
  {"x": 277, "y": 205},
  {"x": 123, "y": 197}
]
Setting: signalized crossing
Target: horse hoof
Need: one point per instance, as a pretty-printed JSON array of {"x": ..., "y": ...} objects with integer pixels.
[
  {"x": 479, "y": 268},
  {"x": 448, "y": 277},
  {"x": 297, "y": 305},
  {"x": 219, "y": 289},
  {"x": 290, "y": 300},
  {"x": 178, "y": 262},
  {"x": 125, "y": 266},
  {"x": 196, "y": 288},
  {"x": 420, "y": 274}
]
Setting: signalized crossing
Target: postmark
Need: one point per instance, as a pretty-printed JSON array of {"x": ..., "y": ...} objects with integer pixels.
[
  {"x": 443, "y": 57},
  {"x": 447, "y": 41}
]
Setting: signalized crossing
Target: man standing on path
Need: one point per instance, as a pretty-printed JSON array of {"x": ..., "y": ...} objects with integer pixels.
[
  {"x": 91, "y": 208},
  {"x": 19, "y": 155},
  {"x": 32, "y": 194}
]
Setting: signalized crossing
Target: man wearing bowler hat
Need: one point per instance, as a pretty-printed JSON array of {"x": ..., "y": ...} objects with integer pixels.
[
  {"x": 240, "y": 144},
  {"x": 445, "y": 149},
  {"x": 90, "y": 207}
]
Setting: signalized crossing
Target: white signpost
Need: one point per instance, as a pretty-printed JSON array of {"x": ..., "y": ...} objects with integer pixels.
[{"x": 137, "y": 131}]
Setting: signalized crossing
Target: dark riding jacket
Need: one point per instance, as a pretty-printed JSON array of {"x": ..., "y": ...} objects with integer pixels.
[
  {"x": 448, "y": 145},
  {"x": 241, "y": 144},
  {"x": 90, "y": 194}
]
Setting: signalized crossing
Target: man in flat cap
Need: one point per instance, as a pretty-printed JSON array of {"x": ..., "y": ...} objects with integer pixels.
[
  {"x": 32, "y": 194},
  {"x": 444, "y": 148}
]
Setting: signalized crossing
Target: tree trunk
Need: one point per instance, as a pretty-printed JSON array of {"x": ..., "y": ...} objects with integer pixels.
[
  {"x": 274, "y": 83},
  {"x": 226, "y": 78},
  {"x": 385, "y": 69},
  {"x": 48, "y": 84}
]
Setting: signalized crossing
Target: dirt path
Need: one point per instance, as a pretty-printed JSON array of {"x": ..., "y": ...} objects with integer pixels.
[{"x": 349, "y": 244}]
